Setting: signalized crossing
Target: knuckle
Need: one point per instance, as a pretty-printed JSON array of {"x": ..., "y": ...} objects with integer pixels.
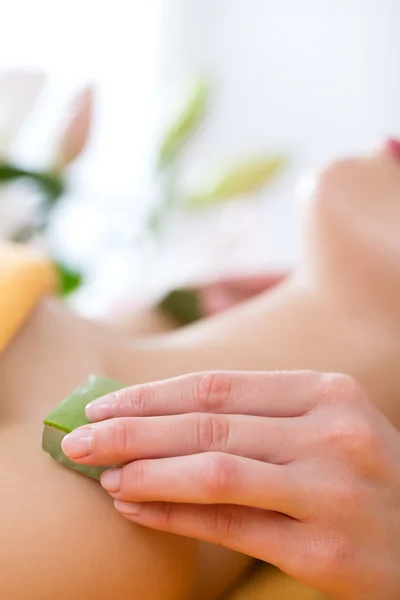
[
  {"x": 163, "y": 513},
  {"x": 339, "y": 387},
  {"x": 353, "y": 436},
  {"x": 212, "y": 433},
  {"x": 133, "y": 477},
  {"x": 219, "y": 475},
  {"x": 133, "y": 400},
  {"x": 213, "y": 391},
  {"x": 365, "y": 439},
  {"x": 118, "y": 436},
  {"x": 227, "y": 522}
]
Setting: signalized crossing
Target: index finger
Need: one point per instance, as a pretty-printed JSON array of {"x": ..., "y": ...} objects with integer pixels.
[{"x": 273, "y": 394}]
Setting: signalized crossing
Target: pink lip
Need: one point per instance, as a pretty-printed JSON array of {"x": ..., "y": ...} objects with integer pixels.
[{"x": 393, "y": 147}]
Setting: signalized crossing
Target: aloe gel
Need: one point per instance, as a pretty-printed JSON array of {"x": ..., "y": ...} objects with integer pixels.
[{"x": 69, "y": 415}]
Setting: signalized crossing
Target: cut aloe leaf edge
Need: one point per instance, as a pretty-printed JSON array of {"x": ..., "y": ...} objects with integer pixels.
[{"x": 69, "y": 415}]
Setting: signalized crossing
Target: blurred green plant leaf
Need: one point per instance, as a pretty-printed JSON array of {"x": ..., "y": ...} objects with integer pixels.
[
  {"x": 69, "y": 280},
  {"x": 51, "y": 184},
  {"x": 240, "y": 180},
  {"x": 183, "y": 305},
  {"x": 184, "y": 124}
]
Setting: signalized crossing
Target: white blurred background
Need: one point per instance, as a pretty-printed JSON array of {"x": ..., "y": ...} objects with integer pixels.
[{"x": 308, "y": 79}]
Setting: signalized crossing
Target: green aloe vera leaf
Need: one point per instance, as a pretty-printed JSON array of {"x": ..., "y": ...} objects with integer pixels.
[
  {"x": 51, "y": 443},
  {"x": 240, "y": 180},
  {"x": 184, "y": 123},
  {"x": 69, "y": 415}
]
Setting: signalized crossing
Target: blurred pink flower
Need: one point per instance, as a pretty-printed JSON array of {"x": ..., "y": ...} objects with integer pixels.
[{"x": 76, "y": 131}]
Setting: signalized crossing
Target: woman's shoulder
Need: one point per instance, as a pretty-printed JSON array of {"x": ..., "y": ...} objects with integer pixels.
[{"x": 25, "y": 276}]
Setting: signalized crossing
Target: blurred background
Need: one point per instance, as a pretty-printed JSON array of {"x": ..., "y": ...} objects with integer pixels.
[{"x": 149, "y": 146}]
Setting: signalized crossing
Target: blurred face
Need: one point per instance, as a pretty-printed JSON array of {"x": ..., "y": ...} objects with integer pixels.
[{"x": 352, "y": 218}]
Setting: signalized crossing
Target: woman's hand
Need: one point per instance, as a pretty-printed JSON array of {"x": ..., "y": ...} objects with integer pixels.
[{"x": 296, "y": 469}]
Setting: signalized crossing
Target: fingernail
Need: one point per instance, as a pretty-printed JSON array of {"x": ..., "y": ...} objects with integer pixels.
[
  {"x": 101, "y": 409},
  {"x": 111, "y": 480},
  {"x": 78, "y": 443},
  {"x": 132, "y": 509}
]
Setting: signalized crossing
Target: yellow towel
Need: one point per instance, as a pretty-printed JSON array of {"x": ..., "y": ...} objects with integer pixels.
[{"x": 25, "y": 276}]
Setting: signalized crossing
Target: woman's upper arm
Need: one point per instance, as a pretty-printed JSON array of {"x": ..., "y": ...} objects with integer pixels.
[
  {"x": 61, "y": 536},
  {"x": 217, "y": 570}
]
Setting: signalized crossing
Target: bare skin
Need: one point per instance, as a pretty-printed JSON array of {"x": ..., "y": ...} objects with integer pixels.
[
  {"x": 59, "y": 534},
  {"x": 338, "y": 313}
]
